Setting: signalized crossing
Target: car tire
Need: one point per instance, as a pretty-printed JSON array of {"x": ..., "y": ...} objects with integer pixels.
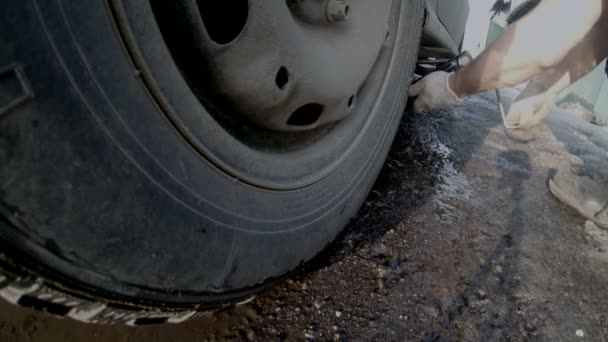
[{"x": 105, "y": 197}]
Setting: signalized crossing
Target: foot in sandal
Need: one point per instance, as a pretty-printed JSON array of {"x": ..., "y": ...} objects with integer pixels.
[{"x": 587, "y": 196}]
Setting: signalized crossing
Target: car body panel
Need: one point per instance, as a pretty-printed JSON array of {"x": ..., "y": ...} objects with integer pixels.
[
  {"x": 453, "y": 14},
  {"x": 444, "y": 27}
]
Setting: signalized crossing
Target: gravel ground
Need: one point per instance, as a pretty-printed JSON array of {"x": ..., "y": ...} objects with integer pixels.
[{"x": 459, "y": 240}]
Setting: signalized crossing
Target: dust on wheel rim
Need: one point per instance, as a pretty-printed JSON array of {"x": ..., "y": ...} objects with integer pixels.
[{"x": 320, "y": 147}]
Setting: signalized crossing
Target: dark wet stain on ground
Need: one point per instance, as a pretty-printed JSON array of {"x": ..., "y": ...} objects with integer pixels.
[{"x": 459, "y": 240}]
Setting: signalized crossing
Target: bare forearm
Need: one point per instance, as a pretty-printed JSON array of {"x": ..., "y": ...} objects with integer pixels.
[
  {"x": 529, "y": 47},
  {"x": 581, "y": 60}
]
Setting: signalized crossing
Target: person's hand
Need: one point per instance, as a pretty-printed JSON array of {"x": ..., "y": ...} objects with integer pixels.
[
  {"x": 528, "y": 111},
  {"x": 433, "y": 92}
]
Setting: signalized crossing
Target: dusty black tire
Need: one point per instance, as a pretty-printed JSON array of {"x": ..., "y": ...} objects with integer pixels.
[{"x": 101, "y": 196}]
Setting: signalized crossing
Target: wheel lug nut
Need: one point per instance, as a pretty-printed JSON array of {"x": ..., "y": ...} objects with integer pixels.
[{"x": 337, "y": 10}]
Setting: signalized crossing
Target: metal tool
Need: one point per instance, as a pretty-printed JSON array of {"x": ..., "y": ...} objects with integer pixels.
[{"x": 426, "y": 66}]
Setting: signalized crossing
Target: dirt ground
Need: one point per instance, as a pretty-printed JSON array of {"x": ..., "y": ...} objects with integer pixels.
[{"x": 460, "y": 240}]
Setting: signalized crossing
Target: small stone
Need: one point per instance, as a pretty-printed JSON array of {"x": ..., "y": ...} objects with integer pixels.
[
  {"x": 334, "y": 328},
  {"x": 309, "y": 336},
  {"x": 378, "y": 250},
  {"x": 338, "y": 314},
  {"x": 317, "y": 305},
  {"x": 498, "y": 269},
  {"x": 530, "y": 327},
  {"x": 380, "y": 284},
  {"x": 304, "y": 286},
  {"x": 590, "y": 225},
  {"x": 482, "y": 294},
  {"x": 430, "y": 311},
  {"x": 493, "y": 222},
  {"x": 580, "y": 333}
]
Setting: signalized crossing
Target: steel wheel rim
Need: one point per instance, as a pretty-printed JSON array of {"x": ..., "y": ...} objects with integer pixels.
[{"x": 289, "y": 177}]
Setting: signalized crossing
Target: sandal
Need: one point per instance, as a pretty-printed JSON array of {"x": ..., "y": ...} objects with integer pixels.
[{"x": 588, "y": 197}]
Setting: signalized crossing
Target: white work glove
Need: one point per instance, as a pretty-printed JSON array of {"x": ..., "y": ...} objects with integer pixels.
[
  {"x": 528, "y": 111},
  {"x": 526, "y": 114},
  {"x": 433, "y": 92}
]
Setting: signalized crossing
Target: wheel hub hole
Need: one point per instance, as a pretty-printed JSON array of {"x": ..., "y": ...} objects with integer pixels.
[
  {"x": 351, "y": 101},
  {"x": 306, "y": 115},
  {"x": 224, "y": 20},
  {"x": 282, "y": 78}
]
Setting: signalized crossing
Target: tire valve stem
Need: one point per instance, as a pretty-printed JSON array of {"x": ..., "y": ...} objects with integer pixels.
[{"x": 337, "y": 10}]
